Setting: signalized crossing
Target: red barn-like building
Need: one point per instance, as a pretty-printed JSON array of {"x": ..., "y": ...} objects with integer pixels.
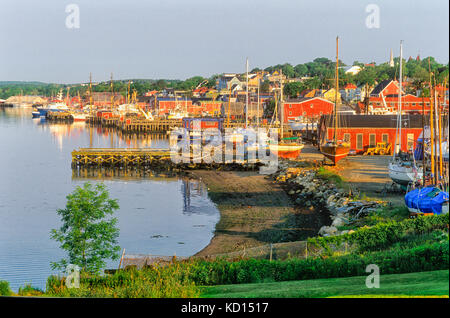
[
  {"x": 410, "y": 104},
  {"x": 306, "y": 107},
  {"x": 363, "y": 131}
]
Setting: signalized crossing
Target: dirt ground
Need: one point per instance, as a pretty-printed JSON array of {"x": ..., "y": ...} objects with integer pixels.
[
  {"x": 253, "y": 211},
  {"x": 366, "y": 175}
]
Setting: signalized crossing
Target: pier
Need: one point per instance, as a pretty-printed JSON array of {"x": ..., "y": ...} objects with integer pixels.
[
  {"x": 64, "y": 117},
  {"x": 153, "y": 158},
  {"x": 135, "y": 125},
  {"x": 114, "y": 157}
]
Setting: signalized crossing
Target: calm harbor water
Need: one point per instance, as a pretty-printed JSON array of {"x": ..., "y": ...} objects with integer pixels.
[{"x": 159, "y": 216}]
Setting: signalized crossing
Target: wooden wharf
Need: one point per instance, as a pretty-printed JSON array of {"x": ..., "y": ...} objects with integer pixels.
[
  {"x": 59, "y": 116},
  {"x": 152, "y": 158},
  {"x": 118, "y": 156}
]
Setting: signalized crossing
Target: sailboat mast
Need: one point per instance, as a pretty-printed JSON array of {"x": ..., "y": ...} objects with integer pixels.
[
  {"x": 281, "y": 104},
  {"x": 440, "y": 141},
  {"x": 246, "y": 95},
  {"x": 400, "y": 97},
  {"x": 336, "y": 88},
  {"x": 431, "y": 123},
  {"x": 112, "y": 92},
  {"x": 90, "y": 92},
  {"x": 436, "y": 127},
  {"x": 257, "y": 112}
]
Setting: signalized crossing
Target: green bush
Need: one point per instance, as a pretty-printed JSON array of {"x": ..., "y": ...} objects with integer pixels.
[
  {"x": 155, "y": 282},
  {"x": 4, "y": 288},
  {"x": 383, "y": 235},
  {"x": 29, "y": 290},
  {"x": 328, "y": 175},
  {"x": 421, "y": 258}
]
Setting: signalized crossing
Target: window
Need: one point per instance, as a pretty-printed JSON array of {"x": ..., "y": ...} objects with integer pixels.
[
  {"x": 359, "y": 141},
  {"x": 290, "y": 105},
  {"x": 321, "y": 113},
  {"x": 372, "y": 140},
  {"x": 347, "y": 137},
  {"x": 304, "y": 113},
  {"x": 413, "y": 104},
  {"x": 290, "y": 113},
  {"x": 385, "y": 138},
  {"x": 410, "y": 142}
]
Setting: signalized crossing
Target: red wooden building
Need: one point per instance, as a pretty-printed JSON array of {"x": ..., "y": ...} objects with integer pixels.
[
  {"x": 363, "y": 131},
  {"x": 306, "y": 107},
  {"x": 410, "y": 104},
  {"x": 165, "y": 105}
]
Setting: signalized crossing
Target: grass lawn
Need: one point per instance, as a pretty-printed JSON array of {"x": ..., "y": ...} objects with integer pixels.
[{"x": 434, "y": 283}]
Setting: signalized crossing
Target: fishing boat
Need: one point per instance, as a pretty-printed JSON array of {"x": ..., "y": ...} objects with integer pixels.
[
  {"x": 286, "y": 150},
  {"x": 335, "y": 150},
  {"x": 403, "y": 169},
  {"x": 79, "y": 116}
]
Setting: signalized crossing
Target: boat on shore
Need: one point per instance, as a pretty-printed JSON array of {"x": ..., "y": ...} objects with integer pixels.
[
  {"x": 404, "y": 171},
  {"x": 286, "y": 150},
  {"x": 335, "y": 150},
  {"x": 427, "y": 201}
]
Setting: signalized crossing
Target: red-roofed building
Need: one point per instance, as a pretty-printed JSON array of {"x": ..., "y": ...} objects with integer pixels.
[
  {"x": 350, "y": 86},
  {"x": 410, "y": 104},
  {"x": 312, "y": 107}
]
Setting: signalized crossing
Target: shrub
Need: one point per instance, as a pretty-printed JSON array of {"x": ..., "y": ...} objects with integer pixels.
[
  {"x": 155, "y": 282},
  {"x": 326, "y": 174},
  {"x": 4, "y": 288},
  {"x": 421, "y": 258},
  {"x": 29, "y": 290}
]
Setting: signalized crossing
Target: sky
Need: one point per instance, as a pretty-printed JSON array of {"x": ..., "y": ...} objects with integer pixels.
[{"x": 178, "y": 39}]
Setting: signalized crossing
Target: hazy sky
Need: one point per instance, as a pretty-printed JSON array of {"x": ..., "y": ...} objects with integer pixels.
[{"x": 182, "y": 38}]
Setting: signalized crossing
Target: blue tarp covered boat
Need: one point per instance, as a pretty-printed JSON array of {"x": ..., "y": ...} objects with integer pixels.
[{"x": 427, "y": 200}]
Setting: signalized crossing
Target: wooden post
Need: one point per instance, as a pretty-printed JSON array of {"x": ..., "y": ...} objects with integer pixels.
[
  {"x": 120, "y": 262},
  {"x": 271, "y": 247},
  {"x": 306, "y": 250}
]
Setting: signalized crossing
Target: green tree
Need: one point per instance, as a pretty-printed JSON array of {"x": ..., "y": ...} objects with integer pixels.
[
  {"x": 88, "y": 233},
  {"x": 265, "y": 87},
  {"x": 293, "y": 89}
]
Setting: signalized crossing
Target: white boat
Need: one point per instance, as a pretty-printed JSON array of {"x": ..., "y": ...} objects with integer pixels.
[
  {"x": 127, "y": 108},
  {"x": 436, "y": 149},
  {"x": 404, "y": 172},
  {"x": 177, "y": 115},
  {"x": 79, "y": 116}
]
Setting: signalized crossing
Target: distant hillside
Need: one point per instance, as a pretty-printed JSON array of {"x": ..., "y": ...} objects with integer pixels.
[{"x": 8, "y": 83}]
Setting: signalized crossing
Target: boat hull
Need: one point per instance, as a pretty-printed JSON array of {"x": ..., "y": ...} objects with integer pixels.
[
  {"x": 335, "y": 152},
  {"x": 404, "y": 175},
  {"x": 286, "y": 151}
]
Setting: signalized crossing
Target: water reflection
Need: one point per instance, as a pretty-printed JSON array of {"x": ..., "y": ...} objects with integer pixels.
[
  {"x": 104, "y": 136},
  {"x": 159, "y": 214}
]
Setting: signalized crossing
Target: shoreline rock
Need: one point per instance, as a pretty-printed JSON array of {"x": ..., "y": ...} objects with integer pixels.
[{"x": 308, "y": 190}]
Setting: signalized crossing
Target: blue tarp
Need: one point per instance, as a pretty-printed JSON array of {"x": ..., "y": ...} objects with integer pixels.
[
  {"x": 418, "y": 152},
  {"x": 426, "y": 200}
]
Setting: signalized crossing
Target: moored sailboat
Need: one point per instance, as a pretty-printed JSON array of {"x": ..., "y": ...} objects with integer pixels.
[
  {"x": 286, "y": 148},
  {"x": 335, "y": 150},
  {"x": 403, "y": 169}
]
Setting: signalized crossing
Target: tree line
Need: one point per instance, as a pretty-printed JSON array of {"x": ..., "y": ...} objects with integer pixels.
[{"x": 320, "y": 73}]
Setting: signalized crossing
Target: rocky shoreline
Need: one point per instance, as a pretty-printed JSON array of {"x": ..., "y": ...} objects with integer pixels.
[{"x": 307, "y": 189}]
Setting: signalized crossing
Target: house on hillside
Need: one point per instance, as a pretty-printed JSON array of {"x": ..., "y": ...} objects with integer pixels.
[
  {"x": 386, "y": 87},
  {"x": 228, "y": 80}
]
